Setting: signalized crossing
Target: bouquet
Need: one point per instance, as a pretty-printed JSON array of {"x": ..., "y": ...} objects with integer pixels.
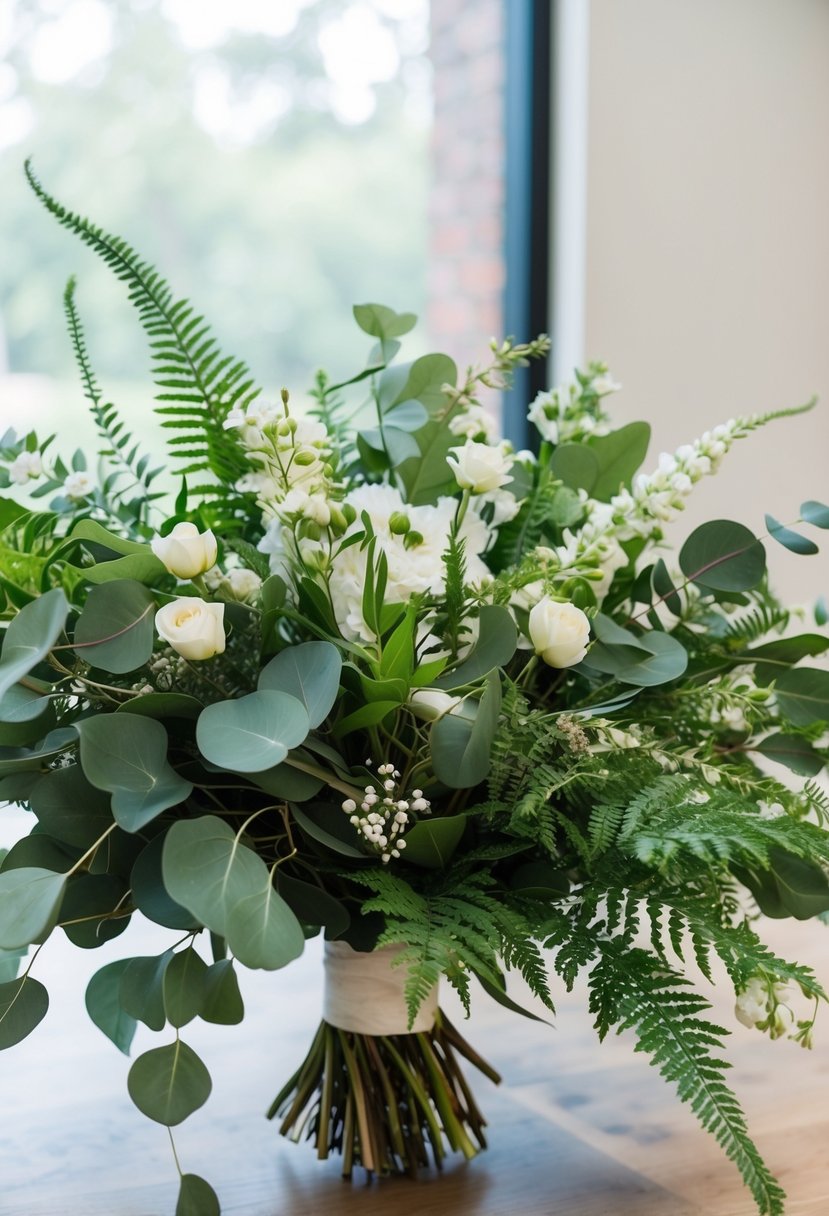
[{"x": 372, "y": 674}]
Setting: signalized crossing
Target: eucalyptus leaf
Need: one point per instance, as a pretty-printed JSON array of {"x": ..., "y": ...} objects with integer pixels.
[
  {"x": 576, "y": 465},
  {"x": 162, "y": 705},
  {"x": 150, "y": 895},
  {"x": 31, "y": 635},
  {"x": 69, "y": 808},
  {"x": 289, "y": 783},
  {"x": 667, "y": 661},
  {"x": 312, "y": 905},
  {"x": 222, "y": 1002},
  {"x": 104, "y": 1006},
  {"x": 23, "y": 1006},
  {"x": 663, "y": 586},
  {"x": 196, "y": 1197},
  {"x": 461, "y": 750},
  {"x": 25, "y": 716},
  {"x": 431, "y": 843},
  {"x": 142, "y": 567},
  {"x": 141, "y": 988},
  {"x": 310, "y": 672},
  {"x": 169, "y": 1083},
  {"x": 495, "y": 646},
  {"x": 116, "y": 630},
  {"x": 261, "y": 929},
  {"x": 184, "y": 987},
  {"x": 815, "y": 513},
  {"x": 127, "y": 756},
  {"x": 22, "y": 759},
  {"x": 619, "y": 454},
  {"x": 253, "y": 733},
  {"x": 793, "y": 751},
  {"x": 30, "y": 900},
  {"x": 722, "y": 555},
  {"x": 329, "y": 826},
  {"x": 803, "y": 695},
  {"x": 85, "y": 914},
  {"x": 790, "y": 539},
  {"x": 381, "y": 322}
]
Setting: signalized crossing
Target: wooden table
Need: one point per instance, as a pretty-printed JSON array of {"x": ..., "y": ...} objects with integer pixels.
[{"x": 577, "y": 1129}]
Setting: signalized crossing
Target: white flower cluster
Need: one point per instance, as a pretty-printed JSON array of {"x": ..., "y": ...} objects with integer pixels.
[
  {"x": 413, "y": 540},
  {"x": 762, "y": 1003},
  {"x": 382, "y": 818},
  {"x": 293, "y": 477},
  {"x": 473, "y": 423},
  {"x": 657, "y": 497},
  {"x": 571, "y": 412},
  {"x": 238, "y": 583}
]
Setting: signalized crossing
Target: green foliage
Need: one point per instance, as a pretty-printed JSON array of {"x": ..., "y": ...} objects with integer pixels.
[
  {"x": 23, "y": 1006},
  {"x": 168, "y": 1083},
  {"x": 199, "y": 385},
  {"x": 460, "y": 927}
]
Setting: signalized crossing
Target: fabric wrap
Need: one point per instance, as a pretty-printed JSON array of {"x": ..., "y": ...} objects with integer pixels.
[{"x": 364, "y": 992}]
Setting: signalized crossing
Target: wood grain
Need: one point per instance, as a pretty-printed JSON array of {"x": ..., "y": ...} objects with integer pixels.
[{"x": 577, "y": 1129}]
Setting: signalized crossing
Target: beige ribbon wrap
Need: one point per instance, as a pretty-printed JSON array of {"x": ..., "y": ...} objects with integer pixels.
[{"x": 364, "y": 992}]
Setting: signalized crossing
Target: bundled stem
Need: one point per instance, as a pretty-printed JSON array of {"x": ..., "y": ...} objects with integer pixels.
[{"x": 385, "y": 1101}]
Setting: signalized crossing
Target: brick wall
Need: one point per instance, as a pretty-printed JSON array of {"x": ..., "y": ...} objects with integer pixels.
[{"x": 466, "y": 266}]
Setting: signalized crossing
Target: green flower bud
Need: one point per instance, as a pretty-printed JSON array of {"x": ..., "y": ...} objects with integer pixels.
[
  {"x": 349, "y": 513},
  {"x": 399, "y": 524},
  {"x": 338, "y": 523},
  {"x": 304, "y": 457},
  {"x": 283, "y": 427},
  {"x": 309, "y": 529},
  {"x": 413, "y": 538}
]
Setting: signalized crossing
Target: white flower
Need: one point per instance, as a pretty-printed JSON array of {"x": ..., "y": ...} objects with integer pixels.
[
  {"x": 479, "y": 467},
  {"x": 309, "y": 506},
  {"x": 77, "y": 486},
  {"x": 472, "y": 423},
  {"x": 186, "y": 552},
  {"x": 544, "y": 413},
  {"x": 432, "y": 703},
  {"x": 505, "y": 506},
  {"x": 560, "y": 633},
  {"x": 193, "y": 628},
  {"x": 25, "y": 467},
  {"x": 258, "y": 415},
  {"x": 602, "y": 385},
  {"x": 242, "y": 584}
]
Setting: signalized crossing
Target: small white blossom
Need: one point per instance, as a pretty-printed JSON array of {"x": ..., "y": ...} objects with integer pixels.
[
  {"x": 27, "y": 466},
  {"x": 77, "y": 486}
]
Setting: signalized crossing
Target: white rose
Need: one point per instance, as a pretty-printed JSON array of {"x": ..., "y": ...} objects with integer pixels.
[
  {"x": 432, "y": 703},
  {"x": 186, "y": 552},
  {"x": 560, "y": 633},
  {"x": 24, "y": 467},
  {"x": 77, "y": 486},
  {"x": 193, "y": 628},
  {"x": 479, "y": 467},
  {"x": 243, "y": 584}
]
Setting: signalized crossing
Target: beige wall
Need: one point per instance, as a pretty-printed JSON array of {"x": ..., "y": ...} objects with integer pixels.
[{"x": 708, "y": 239}]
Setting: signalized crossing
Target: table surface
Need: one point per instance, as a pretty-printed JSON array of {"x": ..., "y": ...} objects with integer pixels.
[{"x": 577, "y": 1128}]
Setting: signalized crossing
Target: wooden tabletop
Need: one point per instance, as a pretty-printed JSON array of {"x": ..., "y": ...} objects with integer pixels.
[{"x": 577, "y": 1129}]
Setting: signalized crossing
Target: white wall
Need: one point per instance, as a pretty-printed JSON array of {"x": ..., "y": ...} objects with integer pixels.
[{"x": 707, "y": 247}]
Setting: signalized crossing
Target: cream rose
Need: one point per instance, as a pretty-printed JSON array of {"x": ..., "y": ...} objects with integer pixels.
[
  {"x": 479, "y": 467},
  {"x": 560, "y": 633},
  {"x": 193, "y": 628},
  {"x": 186, "y": 552},
  {"x": 432, "y": 703}
]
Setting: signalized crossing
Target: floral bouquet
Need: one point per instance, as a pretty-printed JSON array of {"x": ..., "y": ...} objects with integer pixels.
[{"x": 375, "y": 675}]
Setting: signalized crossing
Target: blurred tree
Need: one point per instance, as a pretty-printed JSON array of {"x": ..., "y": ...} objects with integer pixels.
[{"x": 271, "y": 158}]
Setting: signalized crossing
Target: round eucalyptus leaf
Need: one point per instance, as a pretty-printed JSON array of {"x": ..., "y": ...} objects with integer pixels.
[
  {"x": 803, "y": 695},
  {"x": 41, "y": 851},
  {"x": 261, "y": 930},
  {"x": 168, "y": 1083},
  {"x": 432, "y": 842},
  {"x": 619, "y": 455},
  {"x": 23, "y": 759},
  {"x": 84, "y": 912},
  {"x": 69, "y": 808},
  {"x": 575, "y": 465},
  {"x": 310, "y": 672},
  {"x": 253, "y": 733},
  {"x": 722, "y": 555},
  {"x": 23, "y": 1005},
  {"x": 127, "y": 755},
  {"x": 116, "y": 631},
  {"x": 667, "y": 660},
  {"x": 150, "y": 895},
  {"x": 196, "y": 1197},
  {"x": 184, "y": 987},
  {"x": 31, "y": 635},
  {"x": 25, "y": 716},
  {"x": 792, "y": 750},
  {"x": 222, "y": 1001},
  {"x": 141, "y": 989},
  {"x": 496, "y": 644},
  {"x": 163, "y": 705},
  {"x": 30, "y": 899},
  {"x": 104, "y": 1007}
]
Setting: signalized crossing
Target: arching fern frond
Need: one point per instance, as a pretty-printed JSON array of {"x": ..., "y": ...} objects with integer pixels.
[
  {"x": 198, "y": 384},
  {"x": 120, "y": 449}
]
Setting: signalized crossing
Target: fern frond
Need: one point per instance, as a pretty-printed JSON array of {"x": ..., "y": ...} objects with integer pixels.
[
  {"x": 632, "y": 990},
  {"x": 187, "y": 363}
]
